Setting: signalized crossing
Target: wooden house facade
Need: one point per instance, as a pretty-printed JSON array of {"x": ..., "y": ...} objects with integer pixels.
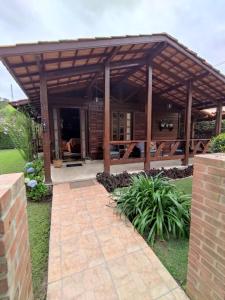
[{"x": 124, "y": 99}]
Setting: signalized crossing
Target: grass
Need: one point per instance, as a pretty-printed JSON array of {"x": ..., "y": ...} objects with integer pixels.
[
  {"x": 184, "y": 184},
  {"x": 174, "y": 253},
  {"x": 39, "y": 226},
  {"x": 11, "y": 161}
]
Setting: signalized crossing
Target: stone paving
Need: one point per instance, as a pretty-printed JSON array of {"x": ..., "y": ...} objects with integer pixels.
[{"x": 96, "y": 254}]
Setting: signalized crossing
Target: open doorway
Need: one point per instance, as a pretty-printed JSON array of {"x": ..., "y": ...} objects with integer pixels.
[{"x": 70, "y": 133}]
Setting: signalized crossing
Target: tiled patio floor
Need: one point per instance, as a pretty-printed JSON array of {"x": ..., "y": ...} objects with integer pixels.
[
  {"x": 89, "y": 169},
  {"x": 94, "y": 254}
]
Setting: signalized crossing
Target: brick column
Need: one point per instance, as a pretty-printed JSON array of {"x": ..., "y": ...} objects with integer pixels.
[
  {"x": 206, "y": 265},
  {"x": 15, "y": 265}
]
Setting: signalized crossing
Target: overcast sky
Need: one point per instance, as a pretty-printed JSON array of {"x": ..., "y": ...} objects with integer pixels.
[{"x": 199, "y": 24}]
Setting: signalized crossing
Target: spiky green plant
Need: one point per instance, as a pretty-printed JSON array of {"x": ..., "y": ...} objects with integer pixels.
[{"x": 155, "y": 207}]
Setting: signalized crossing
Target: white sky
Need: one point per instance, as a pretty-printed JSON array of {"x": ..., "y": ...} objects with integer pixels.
[{"x": 199, "y": 24}]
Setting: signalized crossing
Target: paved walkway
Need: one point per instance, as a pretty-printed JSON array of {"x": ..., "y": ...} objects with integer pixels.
[{"x": 94, "y": 254}]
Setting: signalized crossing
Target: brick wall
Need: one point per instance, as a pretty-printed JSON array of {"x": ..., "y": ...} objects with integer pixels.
[
  {"x": 15, "y": 265},
  {"x": 206, "y": 266}
]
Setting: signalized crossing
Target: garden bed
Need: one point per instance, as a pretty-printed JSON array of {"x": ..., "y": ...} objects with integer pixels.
[{"x": 112, "y": 182}]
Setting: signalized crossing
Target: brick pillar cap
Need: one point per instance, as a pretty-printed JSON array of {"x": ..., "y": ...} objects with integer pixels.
[{"x": 212, "y": 159}]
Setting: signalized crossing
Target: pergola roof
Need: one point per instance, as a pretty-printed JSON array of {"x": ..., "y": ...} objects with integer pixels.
[{"x": 76, "y": 64}]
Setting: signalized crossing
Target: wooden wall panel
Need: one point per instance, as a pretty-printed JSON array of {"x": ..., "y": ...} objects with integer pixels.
[
  {"x": 139, "y": 126},
  {"x": 166, "y": 134},
  {"x": 95, "y": 124}
]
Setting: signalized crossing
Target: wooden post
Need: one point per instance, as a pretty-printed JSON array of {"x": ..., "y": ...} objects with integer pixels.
[
  {"x": 107, "y": 120},
  {"x": 82, "y": 133},
  {"x": 219, "y": 118},
  {"x": 148, "y": 116},
  {"x": 192, "y": 133},
  {"x": 188, "y": 122},
  {"x": 46, "y": 130}
]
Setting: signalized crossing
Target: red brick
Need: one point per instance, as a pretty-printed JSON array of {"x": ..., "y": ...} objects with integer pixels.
[
  {"x": 5, "y": 198},
  {"x": 213, "y": 254},
  {"x": 199, "y": 168},
  {"x": 214, "y": 238},
  {"x": 196, "y": 212},
  {"x": 14, "y": 249},
  {"x": 213, "y": 221},
  {"x": 216, "y": 171},
  {"x": 3, "y": 266},
  {"x": 3, "y": 286},
  {"x": 206, "y": 259}
]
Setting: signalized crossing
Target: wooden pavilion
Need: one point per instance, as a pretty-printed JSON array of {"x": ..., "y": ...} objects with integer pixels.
[{"x": 131, "y": 92}]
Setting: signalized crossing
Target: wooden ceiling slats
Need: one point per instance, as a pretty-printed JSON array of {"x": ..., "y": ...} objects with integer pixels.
[{"x": 172, "y": 65}]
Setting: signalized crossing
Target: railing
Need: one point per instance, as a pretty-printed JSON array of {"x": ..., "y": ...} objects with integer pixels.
[
  {"x": 123, "y": 152},
  {"x": 199, "y": 146}
]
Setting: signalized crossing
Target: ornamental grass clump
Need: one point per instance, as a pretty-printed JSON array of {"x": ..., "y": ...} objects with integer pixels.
[{"x": 155, "y": 207}]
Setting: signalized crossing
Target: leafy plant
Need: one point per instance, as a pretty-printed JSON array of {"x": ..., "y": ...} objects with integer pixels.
[
  {"x": 111, "y": 182},
  {"x": 218, "y": 143},
  {"x": 155, "y": 207},
  {"x": 34, "y": 179},
  {"x": 38, "y": 193}
]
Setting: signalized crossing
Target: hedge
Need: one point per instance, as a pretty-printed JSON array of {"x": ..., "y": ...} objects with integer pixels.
[{"x": 5, "y": 142}]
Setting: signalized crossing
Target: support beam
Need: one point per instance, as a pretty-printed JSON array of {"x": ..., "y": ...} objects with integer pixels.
[
  {"x": 219, "y": 118},
  {"x": 149, "y": 57},
  {"x": 107, "y": 60},
  {"x": 148, "y": 116},
  {"x": 46, "y": 129},
  {"x": 107, "y": 121},
  {"x": 188, "y": 122}
]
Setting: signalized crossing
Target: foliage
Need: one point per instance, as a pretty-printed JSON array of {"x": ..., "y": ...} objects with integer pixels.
[
  {"x": 21, "y": 130},
  {"x": 5, "y": 141},
  {"x": 205, "y": 129},
  {"x": 111, "y": 182},
  {"x": 174, "y": 255},
  {"x": 11, "y": 161},
  {"x": 39, "y": 226},
  {"x": 34, "y": 179},
  {"x": 155, "y": 207},
  {"x": 218, "y": 143}
]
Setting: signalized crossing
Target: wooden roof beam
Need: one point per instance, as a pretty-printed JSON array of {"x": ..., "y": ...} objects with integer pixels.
[
  {"x": 191, "y": 74},
  {"x": 180, "y": 80},
  {"x": 79, "y": 70},
  {"x": 108, "y": 58},
  {"x": 154, "y": 52},
  {"x": 178, "y": 85}
]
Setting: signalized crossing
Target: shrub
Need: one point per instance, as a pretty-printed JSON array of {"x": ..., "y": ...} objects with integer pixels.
[
  {"x": 155, "y": 207},
  {"x": 21, "y": 130},
  {"x": 218, "y": 143},
  {"x": 111, "y": 182},
  {"x": 37, "y": 190}
]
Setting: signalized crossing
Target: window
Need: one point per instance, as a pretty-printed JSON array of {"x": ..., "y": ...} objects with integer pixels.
[{"x": 121, "y": 126}]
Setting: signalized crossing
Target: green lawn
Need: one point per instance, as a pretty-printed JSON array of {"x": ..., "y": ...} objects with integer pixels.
[
  {"x": 39, "y": 226},
  {"x": 184, "y": 185},
  {"x": 11, "y": 161},
  {"x": 174, "y": 253}
]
